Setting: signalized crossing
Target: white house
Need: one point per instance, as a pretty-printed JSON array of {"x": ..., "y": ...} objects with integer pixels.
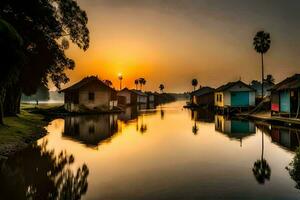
[{"x": 89, "y": 94}]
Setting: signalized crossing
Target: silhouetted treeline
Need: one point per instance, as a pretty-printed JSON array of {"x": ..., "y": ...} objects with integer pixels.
[{"x": 34, "y": 36}]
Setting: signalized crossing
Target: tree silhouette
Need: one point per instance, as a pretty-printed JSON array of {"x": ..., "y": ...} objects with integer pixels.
[
  {"x": 142, "y": 82},
  {"x": 11, "y": 57},
  {"x": 194, "y": 83},
  {"x": 270, "y": 79},
  {"x": 262, "y": 43},
  {"x": 46, "y": 28},
  {"x": 136, "y": 82},
  {"x": 161, "y": 87},
  {"x": 261, "y": 169}
]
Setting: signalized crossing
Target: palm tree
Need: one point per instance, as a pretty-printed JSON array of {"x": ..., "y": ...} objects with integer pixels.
[
  {"x": 261, "y": 169},
  {"x": 136, "y": 82},
  {"x": 120, "y": 77},
  {"x": 161, "y": 87},
  {"x": 194, "y": 83},
  {"x": 142, "y": 82},
  {"x": 262, "y": 43}
]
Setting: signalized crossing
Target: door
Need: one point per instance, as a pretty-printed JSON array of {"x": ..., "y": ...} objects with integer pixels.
[
  {"x": 285, "y": 101},
  {"x": 239, "y": 99}
]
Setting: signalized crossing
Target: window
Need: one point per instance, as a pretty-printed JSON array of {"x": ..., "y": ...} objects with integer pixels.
[
  {"x": 91, "y": 96},
  {"x": 217, "y": 98},
  {"x": 220, "y": 98}
]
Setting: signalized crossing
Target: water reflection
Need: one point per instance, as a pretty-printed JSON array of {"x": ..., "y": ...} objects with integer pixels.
[
  {"x": 286, "y": 137},
  {"x": 234, "y": 128},
  {"x": 39, "y": 173},
  {"x": 130, "y": 114},
  {"x": 201, "y": 115},
  {"x": 261, "y": 169},
  {"x": 165, "y": 162},
  {"x": 294, "y": 169},
  {"x": 91, "y": 129}
]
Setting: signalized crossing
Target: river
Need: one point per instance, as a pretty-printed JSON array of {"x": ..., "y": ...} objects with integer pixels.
[{"x": 162, "y": 153}]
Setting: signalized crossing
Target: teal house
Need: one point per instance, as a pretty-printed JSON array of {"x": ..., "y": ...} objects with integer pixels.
[
  {"x": 285, "y": 96},
  {"x": 235, "y": 95}
]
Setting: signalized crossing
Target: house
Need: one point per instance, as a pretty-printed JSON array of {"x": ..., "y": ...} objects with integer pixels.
[
  {"x": 89, "y": 94},
  {"x": 235, "y": 95},
  {"x": 257, "y": 86},
  {"x": 131, "y": 97},
  {"x": 141, "y": 96},
  {"x": 150, "y": 97},
  {"x": 285, "y": 96},
  {"x": 203, "y": 97}
]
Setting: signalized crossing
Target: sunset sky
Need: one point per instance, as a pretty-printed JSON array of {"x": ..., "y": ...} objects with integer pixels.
[{"x": 173, "y": 41}]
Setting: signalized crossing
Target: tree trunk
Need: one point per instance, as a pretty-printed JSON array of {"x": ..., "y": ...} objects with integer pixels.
[
  {"x": 262, "y": 76},
  {"x": 2, "y": 97},
  {"x": 12, "y": 101}
]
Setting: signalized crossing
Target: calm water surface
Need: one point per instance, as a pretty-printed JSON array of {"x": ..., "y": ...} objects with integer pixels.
[{"x": 162, "y": 153}]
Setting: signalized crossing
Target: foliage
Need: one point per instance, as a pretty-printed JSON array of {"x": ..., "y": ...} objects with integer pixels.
[
  {"x": 294, "y": 168},
  {"x": 45, "y": 27},
  {"x": 194, "y": 83},
  {"x": 270, "y": 79},
  {"x": 262, "y": 42},
  {"x": 161, "y": 87},
  {"x": 142, "y": 81},
  {"x": 11, "y": 53}
]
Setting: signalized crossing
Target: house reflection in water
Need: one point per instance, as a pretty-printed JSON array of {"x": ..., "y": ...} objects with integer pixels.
[
  {"x": 202, "y": 115},
  {"x": 288, "y": 138},
  {"x": 130, "y": 114},
  {"x": 91, "y": 129},
  {"x": 234, "y": 128}
]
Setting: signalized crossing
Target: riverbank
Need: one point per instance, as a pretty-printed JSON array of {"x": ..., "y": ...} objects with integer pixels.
[{"x": 20, "y": 131}]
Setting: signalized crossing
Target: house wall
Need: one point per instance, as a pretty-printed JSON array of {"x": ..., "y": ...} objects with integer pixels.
[
  {"x": 226, "y": 95},
  {"x": 206, "y": 99},
  {"x": 127, "y": 95},
  {"x": 102, "y": 97},
  {"x": 141, "y": 99}
]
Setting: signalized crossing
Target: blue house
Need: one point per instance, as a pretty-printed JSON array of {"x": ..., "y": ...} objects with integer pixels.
[
  {"x": 235, "y": 95},
  {"x": 285, "y": 96}
]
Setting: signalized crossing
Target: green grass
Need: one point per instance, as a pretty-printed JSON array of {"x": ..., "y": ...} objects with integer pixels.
[{"x": 20, "y": 130}]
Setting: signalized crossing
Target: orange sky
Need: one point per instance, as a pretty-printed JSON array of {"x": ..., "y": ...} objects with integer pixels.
[{"x": 172, "y": 42}]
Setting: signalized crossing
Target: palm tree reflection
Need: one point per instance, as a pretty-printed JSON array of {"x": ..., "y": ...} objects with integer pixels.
[
  {"x": 261, "y": 169},
  {"x": 38, "y": 173}
]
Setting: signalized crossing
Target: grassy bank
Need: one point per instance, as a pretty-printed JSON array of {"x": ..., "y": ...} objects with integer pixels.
[{"x": 20, "y": 131}]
